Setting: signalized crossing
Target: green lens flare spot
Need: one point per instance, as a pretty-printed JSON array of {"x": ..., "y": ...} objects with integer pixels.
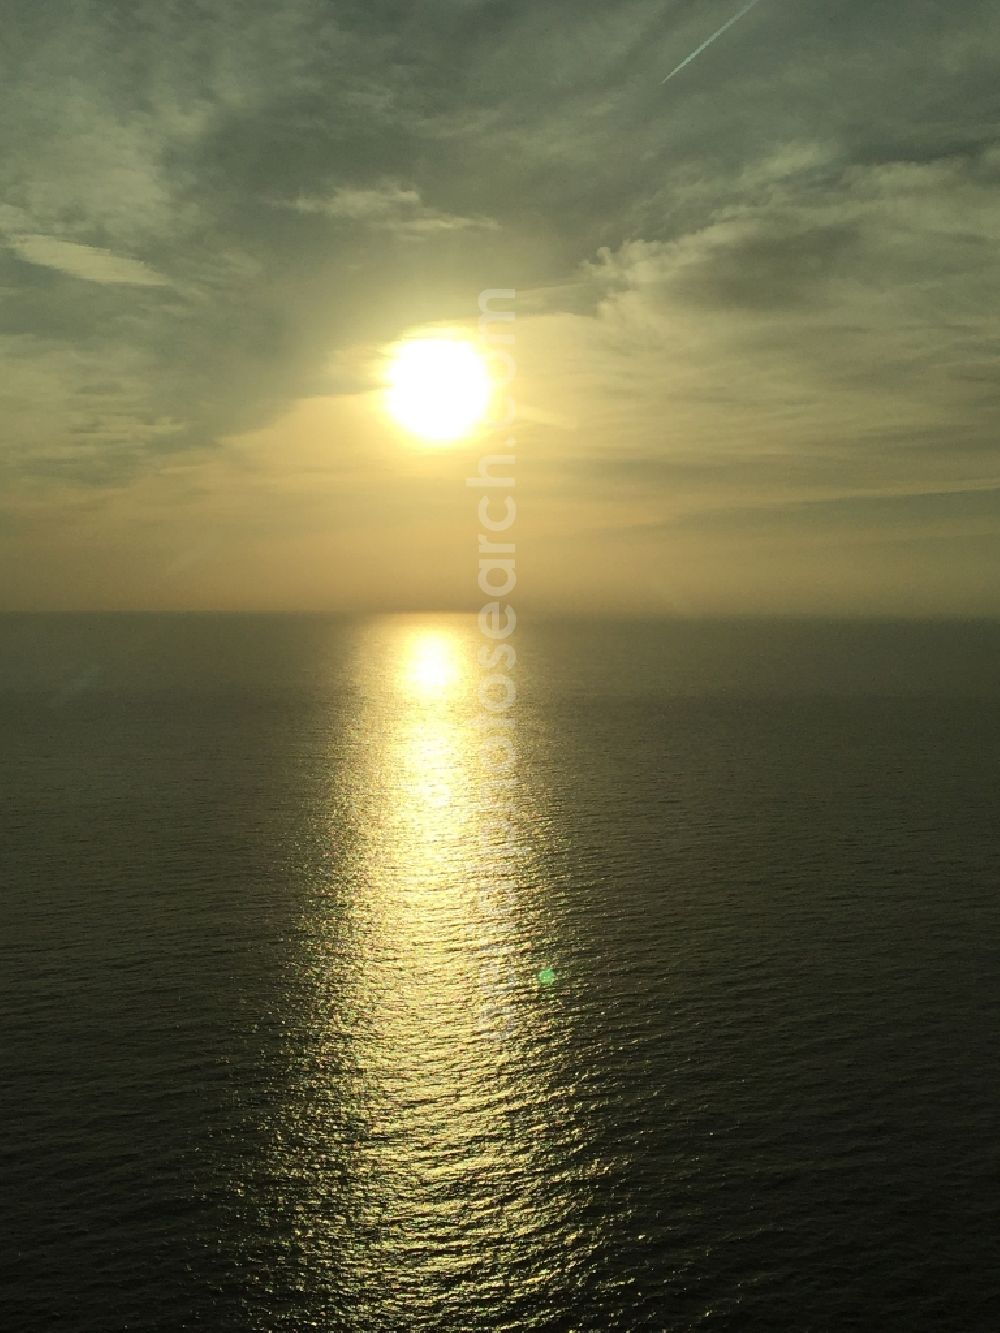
[{"x": 547, "y": 977}]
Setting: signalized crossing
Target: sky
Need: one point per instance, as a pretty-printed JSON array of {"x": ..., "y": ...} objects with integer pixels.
[{"x": 757, "y": 318}]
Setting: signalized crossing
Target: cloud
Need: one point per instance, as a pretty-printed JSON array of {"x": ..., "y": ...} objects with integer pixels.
[
  {"x": 389, "y": 207},
  {"x": 814, "y": 348},
  {"x": 88, "y": 262},
  {"x": 765, "y": 284},
  {"x": 872, "y": 283}
]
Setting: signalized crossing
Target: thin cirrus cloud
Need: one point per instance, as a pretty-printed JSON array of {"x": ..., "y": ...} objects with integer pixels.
[
  {"x": 389, "y": 208},
  {"x": 88, "y": 262}
]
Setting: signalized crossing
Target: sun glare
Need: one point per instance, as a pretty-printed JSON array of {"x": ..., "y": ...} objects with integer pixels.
[
  {"x": 431, "y": 664},
  {"x": 438, "y": 388}
]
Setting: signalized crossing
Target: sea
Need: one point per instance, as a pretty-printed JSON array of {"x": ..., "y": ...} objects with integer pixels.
[{"x": 355, "y": 978}]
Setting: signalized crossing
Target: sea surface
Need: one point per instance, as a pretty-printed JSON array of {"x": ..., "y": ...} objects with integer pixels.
[{"x": 675, "y": 1011}]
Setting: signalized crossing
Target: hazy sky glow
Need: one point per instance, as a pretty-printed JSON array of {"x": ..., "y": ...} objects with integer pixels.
[{"x": 757, "y": 325}]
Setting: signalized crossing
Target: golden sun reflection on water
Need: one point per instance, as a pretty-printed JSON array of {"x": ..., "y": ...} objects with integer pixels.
[
  {"x": 433, "y": 663},
  {"x": 426, "y": 1147}
]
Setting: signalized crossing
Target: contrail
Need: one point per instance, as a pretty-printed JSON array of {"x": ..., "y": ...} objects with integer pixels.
[{"x": 714, "y": 37}]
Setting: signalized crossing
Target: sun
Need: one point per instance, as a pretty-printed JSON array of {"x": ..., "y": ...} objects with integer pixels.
[{"x": 439, "y": 389}]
